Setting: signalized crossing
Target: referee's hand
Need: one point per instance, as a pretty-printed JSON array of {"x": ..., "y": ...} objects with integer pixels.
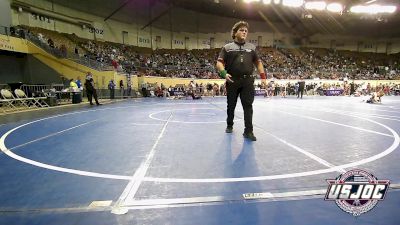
[{"x": 228, "y": 78}]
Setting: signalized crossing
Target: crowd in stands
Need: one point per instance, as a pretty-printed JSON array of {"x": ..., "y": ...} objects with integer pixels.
[
  {"x": 344, "y": 88},
  {"x": 271, "y": 89},
  {"x": 331, "y": 64},
  {"x": 280, "y": 63}
]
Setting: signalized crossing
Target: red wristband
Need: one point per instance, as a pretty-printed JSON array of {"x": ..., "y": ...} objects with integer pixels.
[{"x": 263, "y": 76}]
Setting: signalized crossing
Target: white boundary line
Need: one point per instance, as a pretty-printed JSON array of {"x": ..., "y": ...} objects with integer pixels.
[
  {"x": 151, "y": 116},
  {"x": 137, "y": 178},
  {"x": 56, "y": 168},
  {"x": 341, "y": 112},
  {"x": 360, "y": 104},
  {"x": 310, "y": 155},
  {"x": 391, "y": 148},
  {"x": 394, "y": 145},
  {"x": 63, "y": 169},
  {"x": 360, "y": 113},
  {"x": 53, "y": 134},
  {"x": 146, "y": 124},
  {"x": 380, "y": 116},
  {"x": 382, "y": 110},
  {"x": 339, "y": 124}
]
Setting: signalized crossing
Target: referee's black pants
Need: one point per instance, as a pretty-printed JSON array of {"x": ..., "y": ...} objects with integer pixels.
[
  {"x": 92, "y": 94},
  {"x": 245, "y": 89},
  {"x": 300, "y": 93}
]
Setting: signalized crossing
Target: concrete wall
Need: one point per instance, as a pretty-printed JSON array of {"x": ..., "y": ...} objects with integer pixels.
[
  {"x": 20, "y": 67},
  {"x": 180, "y": 29},
  {"x": 5, "y": 13}
]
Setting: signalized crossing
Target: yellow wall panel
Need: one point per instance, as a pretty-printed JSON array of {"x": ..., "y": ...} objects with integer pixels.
[{"x": 13, "y": 44}]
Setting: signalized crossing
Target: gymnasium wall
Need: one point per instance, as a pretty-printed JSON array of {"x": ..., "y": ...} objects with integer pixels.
[
  {"x": 202, "y": 31},
  {"x": 185, "y": 29},
  {"x": 13, "y": 44},
  {"x": 395, "y": 46},
  {"x": 17, "y": 66},
  {"x": 360, "y": 44},
  {"x": 199, "y": 28},
  {"x": 5, "y": 13},
  {"x": 22, "y": 61},
  {"x": 24, "y": 68},
  {"x": 11, "y": 70}
]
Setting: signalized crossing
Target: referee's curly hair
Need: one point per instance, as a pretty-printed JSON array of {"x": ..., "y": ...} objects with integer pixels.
[{"x": 237, "y": 26}]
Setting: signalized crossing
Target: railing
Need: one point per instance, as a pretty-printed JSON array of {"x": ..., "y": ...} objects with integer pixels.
[
  {"x": 118, "y": 93},
  {"x": 88, "y": 62},
  {"x": 4, "y": 86},
  {"x": 58, "y": 87},
  {"x": 61, "y": 54},
  {"x": 54, "y": 51},
  {"x": 37, "y": 90}
]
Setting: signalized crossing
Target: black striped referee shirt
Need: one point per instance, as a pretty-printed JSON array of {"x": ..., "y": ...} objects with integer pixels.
[{"x": 239, "y": 58}]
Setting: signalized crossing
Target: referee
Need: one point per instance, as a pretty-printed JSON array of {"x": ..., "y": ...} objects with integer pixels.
[{"x": 236, "y": 63}]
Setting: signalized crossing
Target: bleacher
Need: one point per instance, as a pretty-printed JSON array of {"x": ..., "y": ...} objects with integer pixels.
[{"x": 280, "y": 63}]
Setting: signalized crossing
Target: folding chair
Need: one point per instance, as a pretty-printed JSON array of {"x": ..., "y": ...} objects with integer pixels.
[
  {"x": 4, "y": 103},
  {"x": 35, "y": 102},
  {"x": 41, "y": 99},
  {"x": 8, "y": 99},
  {"x": 21, "y": 96}
]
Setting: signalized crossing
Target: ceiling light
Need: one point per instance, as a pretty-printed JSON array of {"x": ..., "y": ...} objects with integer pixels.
[
  {"x": 335, "y": 7},
  {"x": 315, "y": 5},
  {"x": 250, "y": 1},
  {"x": 292, "y": 3},
  {"x": 388, "y": 9},
  {"x": 373, "y": 9}
]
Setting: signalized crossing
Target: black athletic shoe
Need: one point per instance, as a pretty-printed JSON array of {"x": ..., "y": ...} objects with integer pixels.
[
  {"x": 99, "y": 104},
  {"x": 250, "y": 136},
  {"x": 229, "y": 129}
]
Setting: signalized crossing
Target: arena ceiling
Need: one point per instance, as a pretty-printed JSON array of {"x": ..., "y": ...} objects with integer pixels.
[{"x": 296, "y": 19}]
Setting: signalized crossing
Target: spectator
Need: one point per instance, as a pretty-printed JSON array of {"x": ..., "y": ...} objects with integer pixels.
[
  {"x": 121, "y": 88},
  {"x": 111, "y": 87}
]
